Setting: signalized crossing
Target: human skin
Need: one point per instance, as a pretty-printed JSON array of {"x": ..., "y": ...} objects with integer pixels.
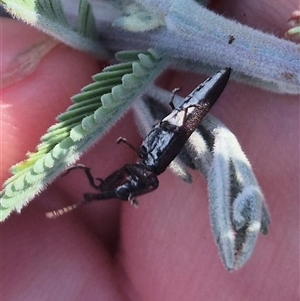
[{"x": 164, "y": 250}]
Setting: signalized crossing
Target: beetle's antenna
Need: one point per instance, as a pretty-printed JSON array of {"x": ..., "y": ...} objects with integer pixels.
[{"x": 62, "y": 211}]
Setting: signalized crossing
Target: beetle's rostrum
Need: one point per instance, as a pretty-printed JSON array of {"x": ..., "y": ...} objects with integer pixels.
[{"x": 158, "y": 150}]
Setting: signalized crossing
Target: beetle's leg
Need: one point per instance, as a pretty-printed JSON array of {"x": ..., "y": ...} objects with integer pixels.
[
  {"x": 186, "y": 110},
  {"x": 73, "y": 167},
  {"x": 139, "y": 151},
  {"x": 133, "y": 201},
  {"x": 124, "y": 140},
  {"x": 171, "y": 103},
  {"x": 87, "y": 171}
]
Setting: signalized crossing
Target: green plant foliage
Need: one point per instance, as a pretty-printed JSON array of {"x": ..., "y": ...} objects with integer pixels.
[
  {"x": 93, "y": 111},
  {"x": 49, "y": 16}
]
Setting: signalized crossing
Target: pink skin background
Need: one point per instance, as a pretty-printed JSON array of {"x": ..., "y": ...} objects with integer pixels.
[{"x": 164, "y": 250}]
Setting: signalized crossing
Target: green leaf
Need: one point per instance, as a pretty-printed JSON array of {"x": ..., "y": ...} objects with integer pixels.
[
  {"x": 48, "y": 16},
  {"x": 92, "y": 113},
  {"x": 86, "y": 23}
]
